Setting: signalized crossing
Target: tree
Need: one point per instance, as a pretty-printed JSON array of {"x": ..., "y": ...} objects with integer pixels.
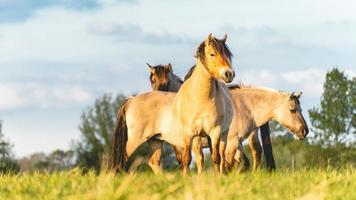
[
  {"x": 352, "y": 86},
  {"x": 7, "y": 161},
  {"x": 96, "y": 127},
  {"x": 60, "y": 160},
  {"x": 334, "y": 120},
  {"x": 57, "y": 160}
]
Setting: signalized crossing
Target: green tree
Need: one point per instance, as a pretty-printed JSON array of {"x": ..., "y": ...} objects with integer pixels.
[
  {"x": 7, "y": 161},
  {"x": 333, "y": 121},
  {"x": 352, "y": 86},
  {"x": 58, "y": 160},
  {"x": 96, "y": 127}
]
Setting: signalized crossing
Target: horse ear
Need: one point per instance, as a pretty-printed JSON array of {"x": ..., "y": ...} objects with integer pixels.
[
  {"x": 224, "y": 38},
  {"x": 291, "y": 96},
  {"x": 209, "y": 38},
  {"x": 298, "y": 94},
  {"x": 150, "y": 68},
  {"x": 170, "y": 68}
]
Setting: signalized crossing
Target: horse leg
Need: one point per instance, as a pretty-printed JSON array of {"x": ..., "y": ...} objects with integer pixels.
[
  {"x": 230, "y": 151},
  {"x": 222, "y": 147},
  {"x": 240, "y": 157},
  {"x": 256, "y": 149},
  {"x": 215, "y": 142},
  {"x": 198, "y": 152},
  {"x": 155, "y": 159},
  {"x": 132, "y": 145},
  {"x": 186, "y": 156},
  {"x": 178, "y": 154}
]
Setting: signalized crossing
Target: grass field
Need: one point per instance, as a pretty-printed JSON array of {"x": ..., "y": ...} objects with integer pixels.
[{"x": 283, "y": 184}]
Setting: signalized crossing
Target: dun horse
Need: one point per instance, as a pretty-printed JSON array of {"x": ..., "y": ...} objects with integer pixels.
[{"x": 202, "y": 105}]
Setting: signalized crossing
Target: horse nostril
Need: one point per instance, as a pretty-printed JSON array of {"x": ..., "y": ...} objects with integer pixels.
[{"x": 228, "y": 74}]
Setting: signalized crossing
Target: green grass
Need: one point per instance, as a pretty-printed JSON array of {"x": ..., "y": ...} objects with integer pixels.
[{"x": 283, "y": 184}]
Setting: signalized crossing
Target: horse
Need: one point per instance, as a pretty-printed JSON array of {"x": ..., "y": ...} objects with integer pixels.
[
  {"x": 161, "y": 78},
  {"x": 253, "y": 140},
  {"x": 256, "y": 106},
  {"x": 202, "y": 105}
]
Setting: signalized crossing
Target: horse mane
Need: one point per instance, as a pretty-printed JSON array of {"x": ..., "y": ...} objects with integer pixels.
[
  {"x": 218, "y": 45},
  {"x": 190, "y": 72},
  {"x": 176, "y": 78},
  {"x": 234, "y": 86}
]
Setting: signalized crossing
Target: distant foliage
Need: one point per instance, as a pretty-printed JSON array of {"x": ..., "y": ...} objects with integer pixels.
[
  {"x": 96, "y": 127},
  {"x": 7, "y": 161},
  {"x": 333, "y": 120},
  {"x": 295, "y": 154},
  {"x": 58, "y": 160}
]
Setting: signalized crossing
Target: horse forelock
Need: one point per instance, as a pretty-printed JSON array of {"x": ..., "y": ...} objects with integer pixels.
[{"x": 160, "y": 70}]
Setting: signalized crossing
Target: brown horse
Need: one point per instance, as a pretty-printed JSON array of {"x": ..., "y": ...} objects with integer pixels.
[{"x": 202, "y": 105}]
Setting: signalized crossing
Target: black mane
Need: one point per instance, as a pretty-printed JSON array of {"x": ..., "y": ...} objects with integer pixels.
[{"x": 190, "y": 72}]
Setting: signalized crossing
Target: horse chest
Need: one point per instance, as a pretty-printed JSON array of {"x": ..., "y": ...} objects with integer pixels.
[{"x": 205, "y": 123}]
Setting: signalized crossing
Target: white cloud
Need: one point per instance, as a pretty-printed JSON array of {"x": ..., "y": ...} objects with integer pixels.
[
  {"x": 71, "y": 94},
  {"x": 309, "y": 81},
  {"x": 9, "y": 98},
  {"x": 15, "y": 95},
  {"x": 32, "y": 137}
]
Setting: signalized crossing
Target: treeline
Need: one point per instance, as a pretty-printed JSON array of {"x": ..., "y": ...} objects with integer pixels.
[{"x": 331, "y": 143}]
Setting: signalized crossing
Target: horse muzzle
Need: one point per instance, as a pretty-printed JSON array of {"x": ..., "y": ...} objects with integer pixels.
[
  {"x": 303, "y": 134},
  {"x": 227, "y": 75}
]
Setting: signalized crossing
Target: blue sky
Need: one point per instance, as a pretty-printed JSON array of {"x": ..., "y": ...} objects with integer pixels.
[{"x": 58, "y": 56}]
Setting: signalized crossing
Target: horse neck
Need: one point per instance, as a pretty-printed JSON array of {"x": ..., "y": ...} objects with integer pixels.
[
  {"x": 261, "y": 103},
  {"x": 201, "y": 83}
]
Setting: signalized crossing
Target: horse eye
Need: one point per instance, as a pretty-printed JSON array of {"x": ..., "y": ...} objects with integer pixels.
[{"x": 293, "y": 110}]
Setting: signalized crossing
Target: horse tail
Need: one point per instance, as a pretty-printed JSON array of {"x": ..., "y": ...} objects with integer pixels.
[
  {"x": 267, "y": 147},
  {"x": 118, "y": 157}
]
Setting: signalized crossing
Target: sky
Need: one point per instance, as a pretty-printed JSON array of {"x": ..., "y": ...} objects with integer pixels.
[{"x": 58, "y": 56}]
